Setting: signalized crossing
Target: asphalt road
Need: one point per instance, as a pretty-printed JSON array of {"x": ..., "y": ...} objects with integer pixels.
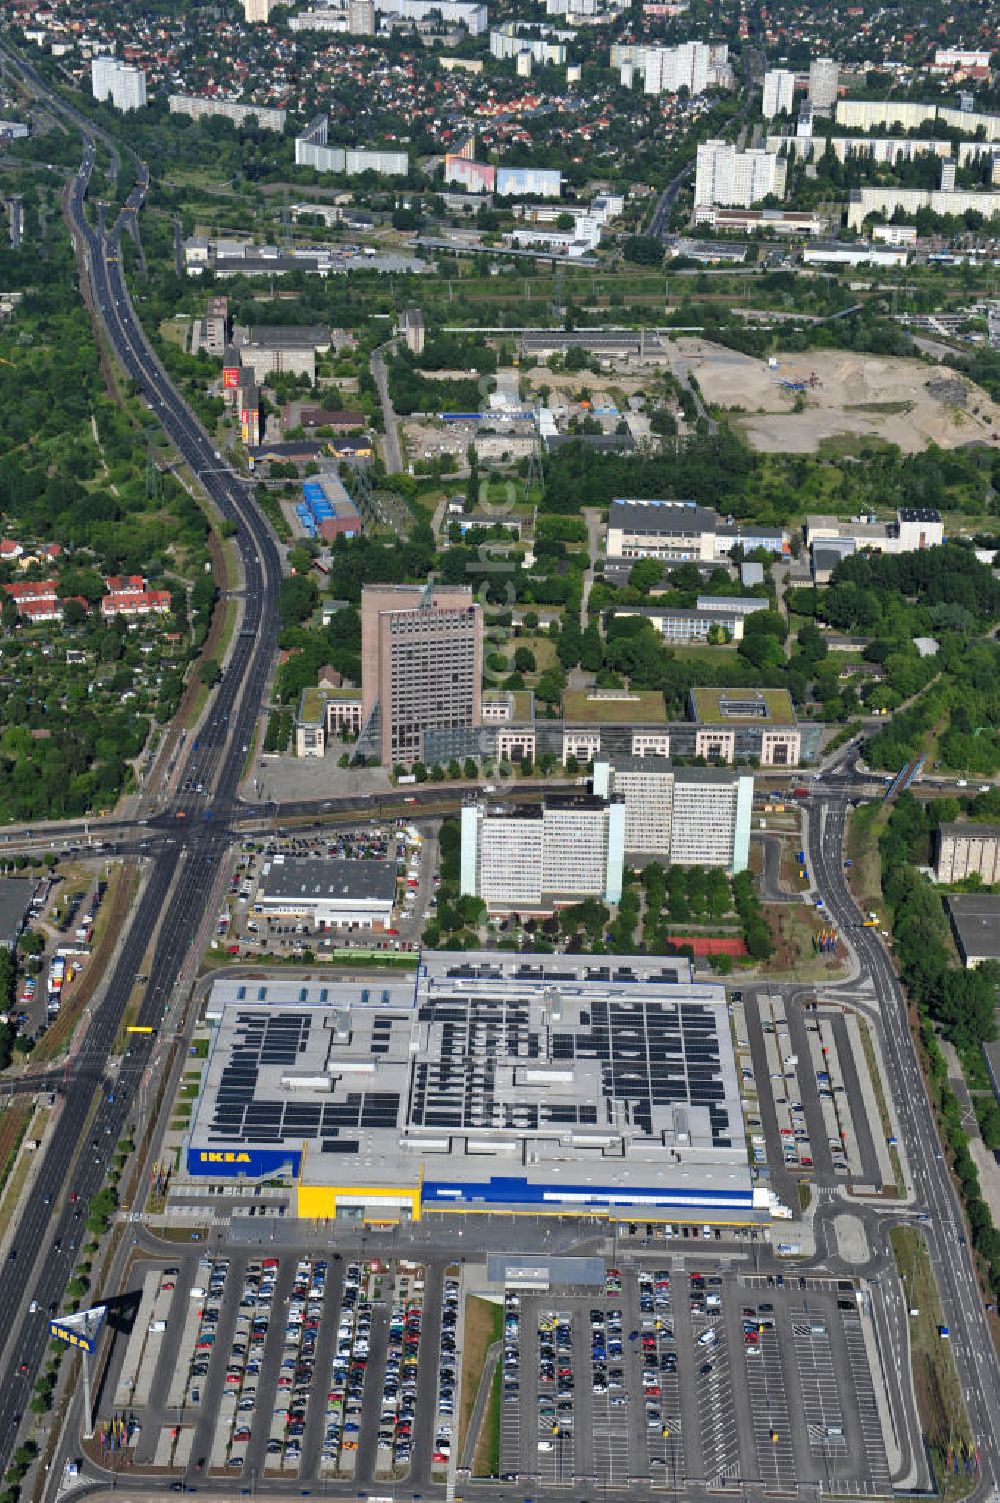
[
  {"x": 961, "y": 1299},
  {"x": 84, "y": 1137}
]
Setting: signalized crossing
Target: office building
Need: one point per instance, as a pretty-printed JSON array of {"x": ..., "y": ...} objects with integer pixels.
[
  {"x": 824, "y": 80},
  {"x": 689, "y": 816},
  {"x": 729, "y": 177},
  {"x": 677, "y": 624},
  {"x": 422, "y": 665},
  {"x": 965, "y": 850},
  {"x": 491, "y": 1081},
  {"x": 197, "y": 108},
  {"x": 679, "y": 532},
  {"x": 327, "y": 894},
  {"x": 326, "y": 714},
  {"x": 779, "y": 92},
  {"x": 124, "y": 87},
  {"x": 735, "y": 725},
  {"x": 536, "y": 857},
  {"x": 256, "y": 11},
  {"x": 361, "y": 18},
  {"x": 975, "y": 923},
  {"x": 830, "y": 539}
]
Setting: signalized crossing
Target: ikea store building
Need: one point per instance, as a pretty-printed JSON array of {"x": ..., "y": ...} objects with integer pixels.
[{"x": 529, "y": 1084}]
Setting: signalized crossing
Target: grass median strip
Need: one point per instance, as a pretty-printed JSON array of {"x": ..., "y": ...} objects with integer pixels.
[
  {"x": 482, "y": 1326},
  {"x": 939, "y": 1395}
]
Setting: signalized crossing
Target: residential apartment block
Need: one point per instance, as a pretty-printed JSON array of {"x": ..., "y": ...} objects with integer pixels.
[
  {"x": 726, "y": 176},
  {"x": 124, "y": 86},
  {"x": 198, "y": 108},
  {"x": 690, "y": 816},
  {"x": 883, "y": 114},
  {"x": 967, "y": 850},
  {"x": 779, "y": 92},
  {"x": 422, "y": 665},
  {"x": 888, "y": 201},
  {"x": 311, "y": 150},
  {"x": 824, "y": 80},
  {"x": 540, "y": 856}
]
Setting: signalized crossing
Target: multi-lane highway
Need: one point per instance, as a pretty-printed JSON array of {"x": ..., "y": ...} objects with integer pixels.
[
  {"x": 961, "y": 1299},
  {"x": 179, "y": 884}
]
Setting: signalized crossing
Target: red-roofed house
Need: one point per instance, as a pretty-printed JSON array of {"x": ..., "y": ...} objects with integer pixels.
[
  {"x": 117, "y": 583},
  {"x": 135, "y": 603},
  {"x": 41, "y": 610},
  {"x": 9, "y": 549},
  {"x": 38, "y": 589}
]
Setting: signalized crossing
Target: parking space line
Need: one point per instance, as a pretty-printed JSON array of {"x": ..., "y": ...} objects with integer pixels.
[{"x": 872, "y": 1439}]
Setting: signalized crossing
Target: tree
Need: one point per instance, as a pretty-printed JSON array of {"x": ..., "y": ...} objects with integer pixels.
[
  {"x": 469, "y": 769},
  {"x": 209, "y": 672},
  {"x": 643, "y": 250},
  {"x": 524, "y": 660}
]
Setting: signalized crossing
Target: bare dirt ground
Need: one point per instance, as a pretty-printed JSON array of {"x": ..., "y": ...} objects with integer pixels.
[{"x": 901, "y": 401}]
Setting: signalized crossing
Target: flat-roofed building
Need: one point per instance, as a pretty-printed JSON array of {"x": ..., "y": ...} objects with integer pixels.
[
  {"x": 422, "y": 665},
  {"x": 491, "y": 1081},
  {"x": 736, "y": 724},
  {"x": 690, "y": 816},
  {"x": 327, "y": 894},
  {"x": 975, "y": 923},
  {"x": 965, "y": 850},
  {"x": 540, "y": 856}
]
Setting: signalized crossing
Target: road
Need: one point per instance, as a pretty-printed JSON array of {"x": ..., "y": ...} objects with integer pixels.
[
  {"x": 179, "y": 884},
  {"x": 665, "y": 202},
  {"x": 961, "y": 1298},
  {"x": 393, "y": 454}
]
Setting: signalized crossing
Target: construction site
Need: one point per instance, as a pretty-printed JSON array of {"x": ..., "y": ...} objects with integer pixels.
[{"x": 792, "y": 403}]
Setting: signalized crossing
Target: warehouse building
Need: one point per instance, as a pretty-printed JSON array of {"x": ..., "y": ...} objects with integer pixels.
[
  {"x": 15, "y": 895},
  {"x": 967, "y": 850},
  {"x": 327, "y": 894},
  {"x": 975, "y": 923},
  {"x": 490, "y": 1082}
]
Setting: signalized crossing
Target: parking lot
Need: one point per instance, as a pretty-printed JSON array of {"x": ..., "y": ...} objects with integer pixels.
[
  {"x": 806, "y": 1096},
  {"x": 677, "y": 1368},
  {"x": 241, "y": 927}
]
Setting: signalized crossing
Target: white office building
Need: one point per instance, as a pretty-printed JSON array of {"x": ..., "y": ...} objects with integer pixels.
[
  {"x": 824, "y": 80},
  {"x": 779, "y": 92},
  {"x": 542, "y": 856},
  {"x": 690, "y": 816},
  {"x": 734, "y": 178}
]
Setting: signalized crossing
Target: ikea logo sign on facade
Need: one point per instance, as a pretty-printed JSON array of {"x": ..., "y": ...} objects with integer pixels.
[{"x": 231, "y": 1163}]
